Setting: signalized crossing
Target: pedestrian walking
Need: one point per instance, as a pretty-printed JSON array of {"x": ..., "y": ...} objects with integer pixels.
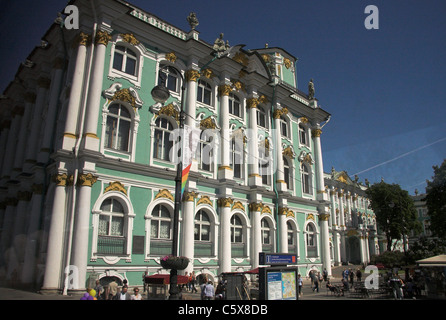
[
  {"x": 300, "y": 284},
  {"x": 351, "y": 275},
  {"x": 99, "y": 290},
  {"x": 193, "y": 281},
  {"x": 316, "y": 284},
  {"x": 113, "y": 290},
  {"x": 209, "y": 292},
  {"x": 359, "y": 275}
]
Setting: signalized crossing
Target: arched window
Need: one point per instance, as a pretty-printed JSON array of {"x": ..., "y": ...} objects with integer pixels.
[
  {"x": 234, "y": 105},
  {"x": 291, "y": 236},
  {"x": 125, "y": 60},
  {"x": 284, "y": 129},
  {"x": 264, "y": 165},
  {"x": 170, "y": 78},
  {"x": 287, "y": 174},
  {"x": 236, "y": 229},
  {"x": 160, "y": 227},
  {"x": 261, "y": 117},
  {"x": 204, "y": 92},
  {"x": 306, "y": 179},
  {"x": 117, "y": 131},
  {"x": 206, "y": 151},
  {"x": 162, "y": 145},
  {"x": 303, "y": 139},
  {"x": 311, "y": 239},
  {"x": 266, "y": 232},
  {"x": 237, "y": 158},
  {"x": 111, "y": 235},
  {"x": 202, "y": 230}
]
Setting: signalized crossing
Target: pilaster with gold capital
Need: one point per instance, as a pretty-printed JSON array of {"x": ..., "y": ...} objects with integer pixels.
[{"x": 86, "y": 180}]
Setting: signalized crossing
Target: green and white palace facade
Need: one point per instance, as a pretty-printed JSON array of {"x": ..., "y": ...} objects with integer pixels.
[{"x": 87, "y": 185}]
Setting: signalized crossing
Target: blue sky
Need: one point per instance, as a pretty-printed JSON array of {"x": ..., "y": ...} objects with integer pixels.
[{"x": 385, "y": 88}]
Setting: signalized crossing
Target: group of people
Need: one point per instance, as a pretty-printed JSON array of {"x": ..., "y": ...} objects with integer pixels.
[
  {"x": 349, "y": 275},
  {"x": 113, "y": 292},
  {"x": 190, "y": 286},
  {"x": 317, "y": 278}
]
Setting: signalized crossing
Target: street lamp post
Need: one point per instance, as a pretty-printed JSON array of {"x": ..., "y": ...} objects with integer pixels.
[{"x": 160, "y": 94}]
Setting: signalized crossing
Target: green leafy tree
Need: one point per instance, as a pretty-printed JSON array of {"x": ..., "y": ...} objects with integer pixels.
[
  {"x": 436, "y": 201},
  {"x": 424, "y": 248},
  {"x": 395, "y": 211}
]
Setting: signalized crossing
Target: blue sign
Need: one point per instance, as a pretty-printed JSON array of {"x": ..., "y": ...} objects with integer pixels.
[{"x": 277, "y": 259}]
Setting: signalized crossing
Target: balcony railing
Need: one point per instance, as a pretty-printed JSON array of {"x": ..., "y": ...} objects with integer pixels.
[{"x": 111, "y": 246}]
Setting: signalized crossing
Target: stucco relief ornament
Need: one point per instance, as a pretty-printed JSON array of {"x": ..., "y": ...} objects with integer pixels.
[{"x": 192, "y": 20}]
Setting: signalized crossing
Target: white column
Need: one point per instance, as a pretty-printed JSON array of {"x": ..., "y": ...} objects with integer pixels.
[
  {"x": 32, "y": 239},
  {"x": 256, "y": 232},
  {"x": 335, "y": 228},
  {"x": 77, "y": 87},
  {"x": 349, "y": 209},
  {"x": 225, "y": 231},
  {"x": 30, "y": 99},
  {"x": 11, "y": 145},
  {"x": 54, "y": 258},
  {"x": 342, "y": 225},
  {"x": 224, "y": 169},
  {"x": 280, "y": 177},
  {"x": 191, "y": 98},
  {"x": 53, "y": 106},
  {"x": 254, "y": 178},
  {"x": 188, "y": 228},
  {"x": 283, "y": 232},
  {"x": 34, "y": 134},
  {"x": 91, "y": 140},
  {"x": 81, "y": 226}
]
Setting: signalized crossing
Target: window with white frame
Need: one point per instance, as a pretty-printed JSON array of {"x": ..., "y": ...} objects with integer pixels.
[
  {"x": 303, "y": 137},
  {"x": 204, "y": 92},
  {"x": 111, "y": 234},
  {"x": 125, "y": 60},
  {"x": 117, "y": 131},
  {"x": 306, "y": 179},
  {"x": 236, "y": 229},
  {"x": 264, "y": 166},
  {"x": 287, "y": 173},
  {"x": 284, "y": 129},
  {"x": 160, "y": 227},
  {"x": 202, "y": 230},
  {"x": 261, "y": 117},
  {"x": 162, "y": 143},
  {"x": 237, "y": 158},
  {"x": 311, "y": 240},
  {"x": 206, "y": 152},
  {"x": 235, "y": 106},
  {"x": 266, "y": 232},
  {"x": 170, "y": 78}
]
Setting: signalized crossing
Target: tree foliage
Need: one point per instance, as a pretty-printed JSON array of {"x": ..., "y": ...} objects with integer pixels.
[
  {"x": 436, "y": 201},
  {"x": 395, "y": 211},
  {"x": 425, "y": 248}
]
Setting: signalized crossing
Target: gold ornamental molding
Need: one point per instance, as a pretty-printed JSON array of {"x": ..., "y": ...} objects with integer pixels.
[
  {"x": 287, "y": 63},
  {"x": 84, "y": 39},
  {"x": 224, "y": 90},
  {"x": 225, "y": 202},
  {"x": 310, "y": 217},
  {"x": 207, "y": 73},
  {"x": 171, "y": 56},
  {"x": 86, "y": 180},
  {"x": 288, "y": 152},
  {"x": 284, "y": 211},
  {"x": 324, "y": 217},
  {"x": 241, "y": 58},
  {"x": 237, "y": 85},
  {"x": 256, "y": 206},
  {"x": 124, "y": 95},
  {"x": 304, "y": 120},
  {"x": 164, "y": 193},
  {"x": 316, "y": 133},
  {"x": 116, "y": 186},
  {"x": 238, "y": 205},
  {"x": 192, "y": 75},
  {"x": 280, "y": 112},
  {"x": 130, "y": 38},
  {"x": 208, "y": 123},
  {"x": 266, "y": 209},
  {"x": 224, "y": 168},
  {"x": 61, "y": 179},
  {"x": 102, "y": 37},
  {"x": 189, "y": 196},
  {"x": 204, "y": 200},
  {"x": 170, "y": 111}
]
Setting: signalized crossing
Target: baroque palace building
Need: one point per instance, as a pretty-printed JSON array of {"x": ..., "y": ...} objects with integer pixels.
[{"x": 87, "y": 186}]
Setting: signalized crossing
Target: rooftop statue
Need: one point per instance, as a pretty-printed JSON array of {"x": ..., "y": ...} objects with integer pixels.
[
  {"x": 192, "y": 20},
  {"x": 220, "y": 47},
  {"x": 311, "y": 90}
]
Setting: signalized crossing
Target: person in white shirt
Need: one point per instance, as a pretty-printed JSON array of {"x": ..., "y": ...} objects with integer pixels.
[{"x": 136, "y": 295}]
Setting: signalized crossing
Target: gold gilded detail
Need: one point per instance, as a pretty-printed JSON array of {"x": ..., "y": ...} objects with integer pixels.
[
  {"x": 171, "y": 56},
  {"x": 225, "y": 202},
  {"x": 116, "y": 186},
  {"x": 192, "y": 75},
  {"x": 87, "y": 180},
  {"x": 102, "y": 37},
  {"x": 164, "y": 193},
  {"x": 204, "y": 200},
  {"x": 130, "y": 38}
]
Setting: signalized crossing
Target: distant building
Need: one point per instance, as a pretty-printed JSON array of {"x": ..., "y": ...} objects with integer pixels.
[
  {"x": 423, "y": 217},
  {"x": 353, "y": 228}
]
